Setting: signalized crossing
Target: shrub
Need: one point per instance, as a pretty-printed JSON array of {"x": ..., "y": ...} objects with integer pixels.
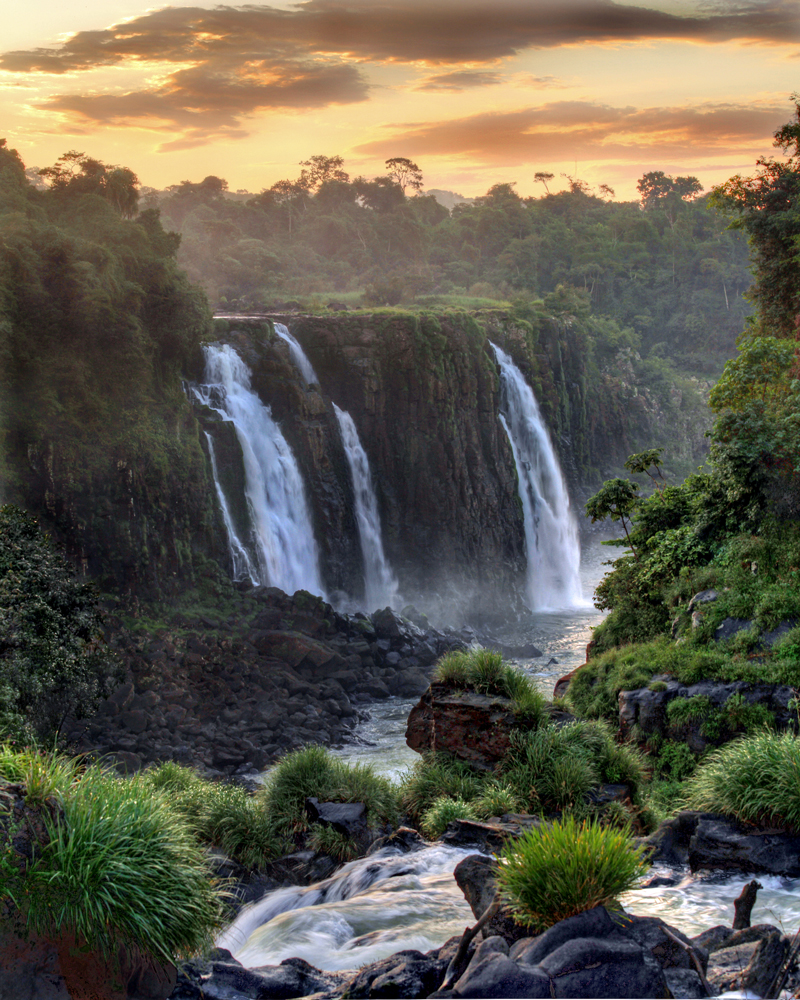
[
  {"x": 437, "y": 775},
  {"x": 443, "y": 811},
  {"x": 484, "y": 671},
  {"x": 559, "y": 869},
  {"x": 756, "y": 779},
  {"x": 120, "y": 865},
  {"x": 223, "y": 815},
  {"x": 496, "y": 799},
  {"x": 51, "y": 662}
]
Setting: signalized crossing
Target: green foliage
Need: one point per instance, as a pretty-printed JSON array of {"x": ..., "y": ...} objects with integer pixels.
[
  {"x": 563, "y": 868},
  {"x": 756, "y": 779},
  {"x": 334, "y": 843},
  {"x": 496, "y": 799},
  {"x": 312, "y": 771},
  {"x": 553, "y": 768},
  {"x": 444, "y": 810},
  {"x": 435, "y": 775},
  {"x": 52, "y": 662},
  {"x": 221, "y": 815},
  {"x": 484, "y": 671},
  {"x": 118, "y": 857}
]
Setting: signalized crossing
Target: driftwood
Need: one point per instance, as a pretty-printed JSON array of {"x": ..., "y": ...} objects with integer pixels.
[
  {"x": 694, "y": 959},
  {"x": 743, "y": 906},
  {"x": 458, "y": 963}
]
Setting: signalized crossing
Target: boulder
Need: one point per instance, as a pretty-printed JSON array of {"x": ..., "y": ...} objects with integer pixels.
[
  {"x": 476, "y": 877},
  {"x": 348, "y": 818},
  {"x": 473, "y": 727},
  {"x": 587, "y": 955},
  {"x": 723, "y": 842}
]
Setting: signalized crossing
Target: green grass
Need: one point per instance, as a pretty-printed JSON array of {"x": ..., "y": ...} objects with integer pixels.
[
  {"x": 120, "y": 865},
  {"x": 444, "y": 810},
  {"x": 755, "y": 779},
  {"x": 334, "y": 843},
  {"x": 483, "y": 671},
  {"x": 560, "y": 869},
  {"x": 435, "y": 775},
  {"x": 553, "y": 768},
  {"x": 312, "y": 771}
]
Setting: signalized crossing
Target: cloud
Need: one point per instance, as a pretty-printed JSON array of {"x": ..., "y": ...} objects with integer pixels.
[
  {"x": 459, "y": 80},
  {"x": 564, "y": 130},
  {"x": 228, "y": 63}
]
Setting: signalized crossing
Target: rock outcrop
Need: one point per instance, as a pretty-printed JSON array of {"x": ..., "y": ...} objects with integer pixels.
[{"x": 229, "y": 695}]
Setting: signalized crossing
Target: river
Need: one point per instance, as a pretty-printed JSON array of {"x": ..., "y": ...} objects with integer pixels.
[{"x": 379, "y": 905}]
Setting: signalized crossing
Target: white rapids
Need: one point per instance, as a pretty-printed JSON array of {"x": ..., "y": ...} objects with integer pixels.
[{"x": 368, "y": 910}]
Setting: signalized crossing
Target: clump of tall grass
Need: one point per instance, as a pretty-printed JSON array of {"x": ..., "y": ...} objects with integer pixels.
[
  {"x": 756, "y": 779},
  {"x": 312, "y": 771},
  {"x": 223, "y": 815},
  {"x": 443, "y": 811},
  {"x": 334, "y": 843},
  {"x": 552, "y": 768},
  {"x": 119, "y": 865},
  {"x": 484, "y": 671},
  {"x": 560, "y": 869},
  {"x": 437, "y": 775}
]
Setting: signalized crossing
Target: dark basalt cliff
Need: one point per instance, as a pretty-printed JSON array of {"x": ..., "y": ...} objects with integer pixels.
[{"x": 135, "y": 503}]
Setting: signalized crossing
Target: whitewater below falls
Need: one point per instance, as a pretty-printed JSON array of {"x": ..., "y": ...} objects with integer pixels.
[{"x": 388, "y": 902}]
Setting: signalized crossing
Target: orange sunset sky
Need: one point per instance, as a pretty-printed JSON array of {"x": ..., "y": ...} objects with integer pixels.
[{"x": 475, "y": 93}]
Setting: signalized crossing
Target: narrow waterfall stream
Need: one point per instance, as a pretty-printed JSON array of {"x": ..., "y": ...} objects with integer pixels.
[
  {"x": 380, "y": 585},
  {"x": 243, "y": 567},
  {"x": 299, "y": 356},
  {"x": 282, "y": 550},
  {"x": 551, "y": 532}
]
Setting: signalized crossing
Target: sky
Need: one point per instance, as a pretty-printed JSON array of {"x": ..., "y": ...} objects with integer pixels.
[{"x": 475, "y": 93}]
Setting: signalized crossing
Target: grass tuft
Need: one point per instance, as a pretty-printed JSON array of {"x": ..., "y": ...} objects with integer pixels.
[
  {"x": 755, "y": 779},
  {"x": 484, "y": 671},
  {"x": 443, "y": 811},
  {"x": 560, "y": 869}
]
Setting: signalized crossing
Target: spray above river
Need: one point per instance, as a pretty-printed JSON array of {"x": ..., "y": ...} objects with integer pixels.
[
  {"x": 281, "y": 551},
  {"x": 551, "y": 534},
  {"x": 380, "y": 585}
]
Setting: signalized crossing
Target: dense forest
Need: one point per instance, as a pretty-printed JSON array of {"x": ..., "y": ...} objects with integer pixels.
[{"x": 664, "y": 275}]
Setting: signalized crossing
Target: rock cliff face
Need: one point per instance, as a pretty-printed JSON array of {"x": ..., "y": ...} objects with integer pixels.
[{"x": 137, "y": 508}]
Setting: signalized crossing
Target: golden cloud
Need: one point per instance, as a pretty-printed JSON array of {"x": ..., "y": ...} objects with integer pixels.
[{"x": 563, "y": 130}]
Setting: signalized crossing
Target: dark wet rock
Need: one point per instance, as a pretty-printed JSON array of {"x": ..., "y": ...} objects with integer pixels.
[
  {"x": 703, "y": 597},
  {"x": 476, "y": 878},
  {"x": 473, "y": 727},
  {"x": 684, "y": 984},
  {"x": 730, "y": 627},
  {"x": 405, "y": 974},
  {"x": 489, "y": 837},
  {"x": 404, "y": 841},
  {"x": 748, "y": 959},
  {"x": 348, "y": 818},
  {"x": 722, "y": 842},
  {"x": 495, "y": 975}
]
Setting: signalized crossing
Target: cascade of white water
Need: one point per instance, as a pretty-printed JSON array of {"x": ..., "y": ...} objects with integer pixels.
[
  {"x": 551, "y": 534},
  {"x": 242, "y": 563},
  {"x": 298, "y": 354},
  {"x": 380, "y": 585},
  {"x": 283, "y": 551}
]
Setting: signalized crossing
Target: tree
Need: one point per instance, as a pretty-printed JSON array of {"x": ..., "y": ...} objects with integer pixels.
[
  {"x": 661, "y": 191},
  {"x": 75, "y": 173},
  {"x": 768, "y": 209},
  {"x": 52, "y": 663},
  {"x": 617, "y": 499},
  {"x": 542, "y": 177},
  {"x": 644, "y": 461},
  {"x": 319, "y": 170},
  {"x": 405, "y": 173}
]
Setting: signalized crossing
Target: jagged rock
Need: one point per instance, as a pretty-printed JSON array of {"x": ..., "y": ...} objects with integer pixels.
[
  {"x": 748, "y": 959},
  {"x": 476, "y": 877},
  {"x": 405, "y": 974},
  {"x": 703, "y": 597},
  {"x": 349, "y": 818},
  {"x": 488, "y": 837},
  {"x": 473, "y": 727},
  {"x": 728, "y": 628}
]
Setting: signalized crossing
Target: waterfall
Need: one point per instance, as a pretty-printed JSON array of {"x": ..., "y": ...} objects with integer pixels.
[
  {"x": 551, "y": 534},
  {"x": 242, "y": 563},
  {"x": 380, "y": 585},
  {"x": 283, "y": 552},
  {"x": 298, "y": 354}
]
